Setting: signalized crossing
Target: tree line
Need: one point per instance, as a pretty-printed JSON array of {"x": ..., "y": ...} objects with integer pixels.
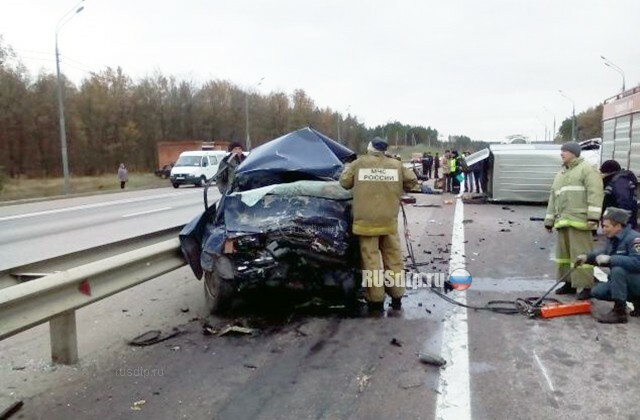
[{"x": 110, "y": 118}]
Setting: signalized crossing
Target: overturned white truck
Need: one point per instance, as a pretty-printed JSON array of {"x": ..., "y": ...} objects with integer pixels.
[{"x": 521, "y": 172}]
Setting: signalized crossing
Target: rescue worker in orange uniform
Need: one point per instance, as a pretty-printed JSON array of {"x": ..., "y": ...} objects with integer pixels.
[{"x": 378, "y": 183}]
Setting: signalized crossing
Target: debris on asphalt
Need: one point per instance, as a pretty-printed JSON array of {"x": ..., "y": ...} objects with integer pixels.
[
  {"x": 184, "y": 310},
  {"x": 506, "y": 208},
  {"x": 18, "y": 368},
  {"x": 11, "y": 410},
  {"x": 137, "y": 406},
  {"x": 395, "y": 342},
  {"x": 250, "y": 366},
  {"x": 427, "y": 205},
  {"x": 466, "y": 221},
  {"x": 235, "y": 330},
  {"x": 152, "y": 337},
  {"x": 505, "y": 230},
  {"x": 431, "y": 359},
  {"x": 363, "y": 382},
  {"x": 411, "y": 384},
  {"x": 536, "y": 219},
  {"x": 207, "y": 329},
  {"x": 448, "y": 201},
  {"x": 436, "y": 234}
]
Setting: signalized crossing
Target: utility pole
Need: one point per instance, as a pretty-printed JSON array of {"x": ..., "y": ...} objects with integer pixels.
[
  {"x": 63, "y": 131},
  {"x": 246, "y": 114},
  {"x": 573, "y": 116},
  {"x": 553, "y": 135}
]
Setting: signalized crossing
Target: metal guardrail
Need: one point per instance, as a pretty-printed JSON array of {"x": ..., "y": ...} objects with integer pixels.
[{"x": 85, "y": 277}]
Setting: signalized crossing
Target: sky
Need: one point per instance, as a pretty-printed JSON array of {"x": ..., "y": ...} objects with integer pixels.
[{"x": 481, "y": 68}]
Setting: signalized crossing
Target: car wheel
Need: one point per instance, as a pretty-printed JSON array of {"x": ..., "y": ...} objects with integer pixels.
[
  {"x": 202, "y": 182},
  {"x": 175, "y": 184},
  {"x": 218, "y": 293}
]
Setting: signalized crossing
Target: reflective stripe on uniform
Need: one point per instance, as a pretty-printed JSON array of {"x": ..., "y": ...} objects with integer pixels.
[
  {"x": 594, "y": 209},
  {"x": 570, "y": 223},
  {"x": 571, "y": 188}
]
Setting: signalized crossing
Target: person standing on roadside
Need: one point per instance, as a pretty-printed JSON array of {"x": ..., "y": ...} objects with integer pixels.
[
  {"x": 123, "y": 175},
  {"x": 227, "y": 170},
  {"x": 436, "y": 165},
  {"x": 574, "y": 209},
  {"x": 446, "y": 168}
]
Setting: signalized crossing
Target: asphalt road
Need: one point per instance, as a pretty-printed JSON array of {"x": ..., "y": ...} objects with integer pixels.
[
  {"x": 299, "y": 364},
  {"x": 36, "y": 231}
]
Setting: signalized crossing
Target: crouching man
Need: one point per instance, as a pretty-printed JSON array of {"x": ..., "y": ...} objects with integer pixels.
[{"x": 622, "y": 256}]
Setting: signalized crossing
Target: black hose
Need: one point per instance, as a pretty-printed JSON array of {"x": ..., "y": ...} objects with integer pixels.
[{"x": 525, "y": 306}]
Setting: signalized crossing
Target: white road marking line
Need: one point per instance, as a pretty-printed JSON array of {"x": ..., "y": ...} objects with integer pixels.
[
  {"x": 544, "y": 371},
  {"x": 454, "y": 391},
  {"x": 146, "y": 212},
  {"x": 87, "y": 206}
]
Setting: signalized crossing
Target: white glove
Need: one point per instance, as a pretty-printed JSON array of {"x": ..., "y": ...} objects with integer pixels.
[
  {"x": 603, "y": 259},
  {"x": 580, "y": 259}
]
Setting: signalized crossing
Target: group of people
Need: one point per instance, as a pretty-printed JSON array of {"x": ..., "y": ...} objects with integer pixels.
[
  {"x": 580, "y": 199},
  {"x": 454, "y": 170}
]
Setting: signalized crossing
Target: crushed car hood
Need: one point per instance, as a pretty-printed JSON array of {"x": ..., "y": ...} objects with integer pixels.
[{"x": 305, "y": 154}]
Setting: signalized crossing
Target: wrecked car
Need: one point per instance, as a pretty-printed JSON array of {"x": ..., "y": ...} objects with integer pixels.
[{"x": 284, "y": 223}]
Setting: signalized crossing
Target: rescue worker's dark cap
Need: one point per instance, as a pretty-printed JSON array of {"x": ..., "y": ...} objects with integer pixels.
[
  {"x": 610, "y": 166},
  {"x": 379, "y": 144},
  {"x": 617, "y": 215},
  {"x": 572, "y": 147},
  {"x": 234, "y": 145}
]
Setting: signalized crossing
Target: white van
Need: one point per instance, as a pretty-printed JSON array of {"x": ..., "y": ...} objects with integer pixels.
[{"x": 196, "y": 167}]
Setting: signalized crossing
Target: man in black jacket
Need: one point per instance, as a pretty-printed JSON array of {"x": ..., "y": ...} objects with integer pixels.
[
  {"x": 619, "y": 190},
  {"x": 227, "y": 169}
]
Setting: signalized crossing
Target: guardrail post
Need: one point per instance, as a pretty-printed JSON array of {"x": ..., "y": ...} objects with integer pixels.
[{"x": 64, "y": 340}]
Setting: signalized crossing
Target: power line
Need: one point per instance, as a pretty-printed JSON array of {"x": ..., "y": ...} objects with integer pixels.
[
  {"x": 77, "y": 62},
  {"x": 34, "y": 52}
]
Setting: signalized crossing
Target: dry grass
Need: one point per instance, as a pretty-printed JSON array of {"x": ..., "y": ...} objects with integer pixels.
[{"x": 21, "y": 188}]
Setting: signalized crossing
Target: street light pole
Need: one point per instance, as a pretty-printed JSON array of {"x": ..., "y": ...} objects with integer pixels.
[
  {"x": 545, "y": 127},
  {"x": 246, "y": 113},
  {"x": 573, "y": 116},
  {"x": 609, "y": 64},
  {"x": 63, "y": 131},
  {"x": 553, "y": 136}
]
